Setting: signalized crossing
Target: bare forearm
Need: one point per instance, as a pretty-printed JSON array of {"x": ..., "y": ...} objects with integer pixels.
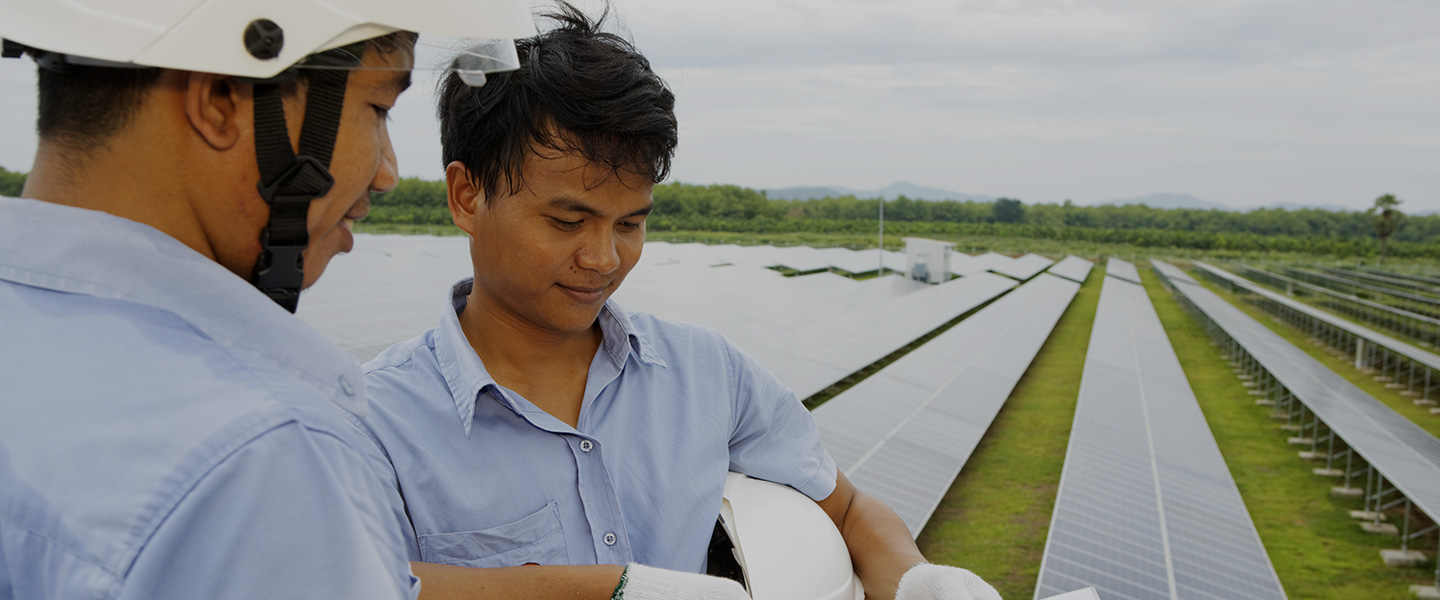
[
  {"x": 880, "y": 545},
  {"x": 445, "y": 582}
]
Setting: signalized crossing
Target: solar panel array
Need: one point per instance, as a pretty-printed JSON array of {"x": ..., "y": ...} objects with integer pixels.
[
  {"x": 1406, "y": 455},
  {"x": 1022, "y": 268},
  {"x": 1122, "y": 269},
  {"x": 1146, "y": 506},
  {"x": 811, "y": 330},
  {"x": 1384, "y": 280},
  {"x": 1425, "y": 303},
  {"x": 812, "y": 333},
  {"x": 1419, "y": 355},
  {"x": 903, "y": 433},
  {"x": 1172, "y": 272},
  {"x": 1073, "y": 268},
  {"x": 1420, "y": 327},
  {"x": 1422, "y": 278}
]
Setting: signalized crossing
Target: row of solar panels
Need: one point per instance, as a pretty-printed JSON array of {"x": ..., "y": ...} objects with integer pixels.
[
  {"x": 1416, "y": 302},
  {"x": 1419, "y": 355},
  {"x": 1284, "y": 282},
  {"x": 1406, "y": 456},
  {"x": 804, "y": 259},
  {"x": 1428, "y": 279},
  {"x": 1146, "y": 506},
  {"x": 904, "y": 433},
  {"x": 1386, "y": 280}
]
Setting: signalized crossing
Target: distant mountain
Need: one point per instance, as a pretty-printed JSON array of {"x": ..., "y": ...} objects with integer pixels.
[
  {"x": 889, "y": 192},
  {"x": 806, "y": 192},
  {"x": 1164, "y": 200},
  {"x": 920, "y": 192},
  {"x": 1297, "y": 206}
]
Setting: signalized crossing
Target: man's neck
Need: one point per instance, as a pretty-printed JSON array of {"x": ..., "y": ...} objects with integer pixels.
[
  {"x": 546, "y": 367},
  {"x": 125, "y": 184}
]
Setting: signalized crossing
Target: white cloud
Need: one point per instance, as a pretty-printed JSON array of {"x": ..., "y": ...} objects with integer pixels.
[{"x": 1242, "y": 101}]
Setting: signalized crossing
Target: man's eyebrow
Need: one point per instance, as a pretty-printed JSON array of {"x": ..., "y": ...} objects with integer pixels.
[{"x": 568, "y": 204}]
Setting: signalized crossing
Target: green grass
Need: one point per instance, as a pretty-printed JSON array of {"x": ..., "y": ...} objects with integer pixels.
[
  {"x": 995, "y": 517},
  {"x": 1317, "y": 549}
]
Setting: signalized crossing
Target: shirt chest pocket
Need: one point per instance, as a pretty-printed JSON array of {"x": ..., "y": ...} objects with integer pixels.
[{"x": 537, "y": 538}]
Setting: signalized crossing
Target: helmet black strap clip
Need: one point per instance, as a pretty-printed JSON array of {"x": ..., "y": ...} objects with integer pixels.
[{"x": 289, "y": 181}]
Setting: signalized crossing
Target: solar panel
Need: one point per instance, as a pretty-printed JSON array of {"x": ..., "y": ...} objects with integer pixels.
[
  {"x": 1073, "y": 268},
  {"x": 903, "y": 434},
  {"x": 1146, "y": 506},
  {"x": 1025, "y": 267},
  {"x": 963, "y": 264},
  {"x": 1122, "y": 269},
  {"x": 1172, "y": 272},
  {"x": 1407, "y": 456}
]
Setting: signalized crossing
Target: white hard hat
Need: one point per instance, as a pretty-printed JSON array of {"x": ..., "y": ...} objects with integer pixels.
[
  {"x": 786, "y": 546},
  {"x": 246, "y": 38}
]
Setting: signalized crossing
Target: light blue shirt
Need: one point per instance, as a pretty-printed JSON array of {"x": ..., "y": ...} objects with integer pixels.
[
  {"x": 166, "y": 431},
  {"x": 491, "y": 480}
]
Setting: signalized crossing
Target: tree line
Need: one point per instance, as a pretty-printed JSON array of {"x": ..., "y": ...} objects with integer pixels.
[{"x": 732, "y": 208}]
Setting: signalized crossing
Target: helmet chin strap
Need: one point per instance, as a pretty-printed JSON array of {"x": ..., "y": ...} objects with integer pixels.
[{"x": 290, "y": 180}]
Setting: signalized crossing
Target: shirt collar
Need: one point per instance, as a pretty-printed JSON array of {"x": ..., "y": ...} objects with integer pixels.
[
  {"x": 79, "y": 251},
  {"x": 465, "y": 373}
]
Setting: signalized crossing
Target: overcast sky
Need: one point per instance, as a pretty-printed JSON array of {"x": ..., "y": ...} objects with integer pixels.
[{"x": 1246, "y": 102}]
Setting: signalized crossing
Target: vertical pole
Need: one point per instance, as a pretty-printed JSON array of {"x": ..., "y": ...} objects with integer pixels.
[
  {"x": 1330, "y": 451},
  {"x": 1369, "y": 477},
  {"x": 882, "y": 235},
  {"x": 1349, "y": 459},
  {"x": 1405, "y": 532}
]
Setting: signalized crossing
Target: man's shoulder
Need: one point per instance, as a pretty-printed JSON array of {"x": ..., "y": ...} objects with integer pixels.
[
  {"x": 404, "y": 375},
  {"x": 403, "y": 355},
  {"x": 117, "y": 410}
]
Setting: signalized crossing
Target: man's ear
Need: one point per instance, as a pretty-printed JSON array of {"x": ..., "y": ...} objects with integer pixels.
[
  {"x": 464, "y": 198},
  {"x": 213, "y": 106}
]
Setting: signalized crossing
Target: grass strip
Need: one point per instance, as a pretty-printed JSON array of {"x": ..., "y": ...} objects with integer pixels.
[{"x": 995, "y": 517}]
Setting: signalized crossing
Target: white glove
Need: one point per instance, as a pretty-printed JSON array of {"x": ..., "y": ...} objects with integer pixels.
[
  {"x": 939, "y": 582},
  {"x": 640, "y": 582}
]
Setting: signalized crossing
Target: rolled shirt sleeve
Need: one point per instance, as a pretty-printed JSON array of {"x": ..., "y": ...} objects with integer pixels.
[{"x": 294, "y": 513}]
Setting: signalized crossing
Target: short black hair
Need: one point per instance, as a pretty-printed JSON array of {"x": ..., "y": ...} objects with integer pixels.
[
  {"x": 578, "y": 89},
  {"x": 82, "y": 106}
]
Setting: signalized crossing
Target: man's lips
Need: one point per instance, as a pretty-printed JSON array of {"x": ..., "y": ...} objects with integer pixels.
[{"x": 584, "y": 294}]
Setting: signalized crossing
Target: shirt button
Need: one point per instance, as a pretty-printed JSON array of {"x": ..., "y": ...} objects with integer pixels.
[
  {"x": 586, "y": 446},
  {"x": 609, "y": 539}
]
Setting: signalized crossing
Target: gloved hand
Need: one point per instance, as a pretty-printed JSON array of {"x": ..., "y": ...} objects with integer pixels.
[
  {"x": 640, "y": 582},
  {"x": 939, "y": 582}
]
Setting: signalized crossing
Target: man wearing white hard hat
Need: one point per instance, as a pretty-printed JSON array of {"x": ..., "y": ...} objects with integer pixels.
[{"x": 167, "y": 428}]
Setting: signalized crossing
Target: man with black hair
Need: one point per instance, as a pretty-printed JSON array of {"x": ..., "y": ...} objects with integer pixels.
[
  {"x": 167, "y": 429},
  {"x": 541, "y": 433}
]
